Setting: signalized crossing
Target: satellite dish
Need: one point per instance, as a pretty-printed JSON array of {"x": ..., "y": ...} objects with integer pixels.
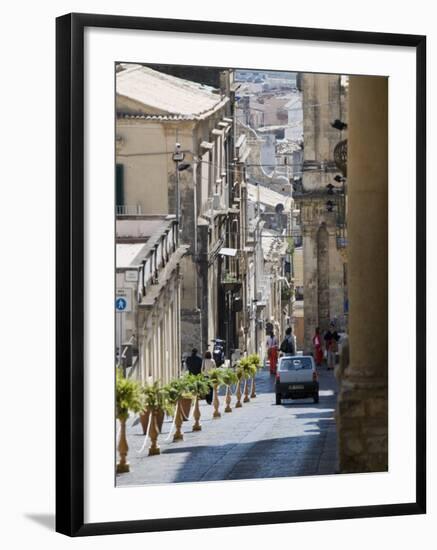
[{"x": 279, "y": 208}]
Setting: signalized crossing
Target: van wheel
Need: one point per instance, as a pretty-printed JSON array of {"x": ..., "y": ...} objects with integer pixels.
[
  {"x": 316, "y": 398},
  {"x": 278, "y": 398}
]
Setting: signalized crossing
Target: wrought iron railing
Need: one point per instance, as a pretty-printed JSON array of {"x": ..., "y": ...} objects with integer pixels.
[{"x": 128, "y": 210}]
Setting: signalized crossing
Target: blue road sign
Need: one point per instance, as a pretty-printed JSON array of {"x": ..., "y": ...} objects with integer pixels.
[{"x": 120, "y": 304}]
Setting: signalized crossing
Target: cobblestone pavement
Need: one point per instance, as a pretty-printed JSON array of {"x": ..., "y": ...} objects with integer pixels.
[{"x": 259, "y": 440}]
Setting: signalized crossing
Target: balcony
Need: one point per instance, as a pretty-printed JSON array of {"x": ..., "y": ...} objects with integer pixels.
[
  {"x": 231, "y": 281},
  {"x": 286, "y": 294},
  {"x": 128, "y": 210}
]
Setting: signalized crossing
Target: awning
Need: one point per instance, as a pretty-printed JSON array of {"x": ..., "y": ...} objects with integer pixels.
[{"x": 228, "y": 251}]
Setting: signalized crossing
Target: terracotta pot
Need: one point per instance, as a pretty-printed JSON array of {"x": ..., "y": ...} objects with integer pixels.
[
  {"x": 144, "y": 419},
  {"x": 185, "y": 405}
]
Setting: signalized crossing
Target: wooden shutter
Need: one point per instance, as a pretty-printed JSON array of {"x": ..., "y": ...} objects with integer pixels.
[{"x": 119, "y": 185}]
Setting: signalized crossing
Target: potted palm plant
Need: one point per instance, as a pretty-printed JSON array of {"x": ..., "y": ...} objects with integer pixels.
[
  {"x": 187, "y": 397},
  {"x": 159, "y": 412},
  {"x": 239, "y": 372},
  {"x": 177, "y": 392},
  {"x": 255, "y": 360},
  {"x": 247, "y": 370},
  {"x": 157, "y": 402},
  {"x": 229, "y": 377},
  {"x": 128, "y": 398},
  {"x": 215, "y": 378},
  {"x": 199, "y": 388}
]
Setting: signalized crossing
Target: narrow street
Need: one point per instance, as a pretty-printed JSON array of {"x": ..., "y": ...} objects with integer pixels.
[{"x": 259, "y": 440}]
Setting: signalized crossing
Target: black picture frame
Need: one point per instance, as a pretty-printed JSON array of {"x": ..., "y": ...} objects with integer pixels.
[{"x": 70, "y": 273}]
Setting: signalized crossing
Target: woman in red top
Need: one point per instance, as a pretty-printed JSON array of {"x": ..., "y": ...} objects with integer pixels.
[
  {"x": 318, "y": 351},
  {"x": 272, "y": 352}
]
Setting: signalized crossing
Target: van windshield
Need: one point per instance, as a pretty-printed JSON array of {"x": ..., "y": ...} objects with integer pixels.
[{"x": 295, "y": 363}]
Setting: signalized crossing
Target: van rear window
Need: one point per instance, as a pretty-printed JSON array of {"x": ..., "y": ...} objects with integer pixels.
[{"x": 295, "y": 363}]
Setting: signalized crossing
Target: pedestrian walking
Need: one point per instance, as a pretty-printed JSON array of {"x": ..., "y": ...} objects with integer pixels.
[
  {"x": 194, "y": 363},
  {"x": 272, "y": 351},
  {"x": 288, "y": 346},
  {"x": 318, "y": 350},
  {"x": 331, "y": 338},
  {"x": 208, "y": 364}
]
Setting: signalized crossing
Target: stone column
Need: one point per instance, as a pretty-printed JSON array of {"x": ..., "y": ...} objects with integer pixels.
[
  {"x": 178, "y": 314},
  {"x": 323, "y": 266},
  {"x": 156, "y": 368},
  {"x": 336, "y": 287},
  {"x": 362, "y": 412},
  {"x": 310, "y": 286}
]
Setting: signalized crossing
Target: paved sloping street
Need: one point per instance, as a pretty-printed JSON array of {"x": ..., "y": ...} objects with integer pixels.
[{"x": 259, "y": 440}]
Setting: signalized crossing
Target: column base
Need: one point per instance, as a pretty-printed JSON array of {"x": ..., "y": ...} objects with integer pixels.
[{"x": 362, "y": 425}]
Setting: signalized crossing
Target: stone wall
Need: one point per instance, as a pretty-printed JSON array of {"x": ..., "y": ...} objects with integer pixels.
[
  {"x": 324, "y": 288},
  {"x": 190, "y": 330},
  {"x": 323, "y": 272},
  {"x": 362, "y": 425},
  {"x": 321, "y": 104}
]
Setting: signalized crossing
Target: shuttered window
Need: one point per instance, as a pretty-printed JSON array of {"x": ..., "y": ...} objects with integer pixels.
[{"x": 119, "y": 185}]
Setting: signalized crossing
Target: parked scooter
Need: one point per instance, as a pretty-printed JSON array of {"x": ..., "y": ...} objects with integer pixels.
[{"x": 218, "y": 351}]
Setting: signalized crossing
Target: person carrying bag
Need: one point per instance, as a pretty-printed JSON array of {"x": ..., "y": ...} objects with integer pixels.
[{"x": 288, "y": 346}]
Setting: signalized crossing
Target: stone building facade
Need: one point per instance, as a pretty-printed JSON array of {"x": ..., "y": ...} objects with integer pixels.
[
  {"x": 148, "y": 260},
  {"x": 324, "y": 260},
  {"x": 155, "y": 111}
]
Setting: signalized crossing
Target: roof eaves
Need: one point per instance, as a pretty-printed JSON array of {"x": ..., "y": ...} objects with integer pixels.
[
  {"x": 209, "y": 112},
  {"x": 155, "y": 117}
]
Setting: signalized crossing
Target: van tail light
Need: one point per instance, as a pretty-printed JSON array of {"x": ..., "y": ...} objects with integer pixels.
[
  {"x": 315, "y": 376},
  {"x": 277, "y": 377}
]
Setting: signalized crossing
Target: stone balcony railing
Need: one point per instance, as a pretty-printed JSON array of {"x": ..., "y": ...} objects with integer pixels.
[{"x": 161, "y": 248}]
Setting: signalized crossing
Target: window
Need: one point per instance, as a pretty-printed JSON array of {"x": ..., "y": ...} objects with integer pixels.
[
  {"x": 295, "y": 363},
  {"x": 119, "y": 185}
]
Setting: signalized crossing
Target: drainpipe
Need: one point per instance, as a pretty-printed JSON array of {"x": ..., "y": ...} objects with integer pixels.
[
  {"x": 196, "y": 256},
  {"x": 196, "y": 249},
  {"x": 255, "y": 284},
  {"x": 137, "y": 335}
]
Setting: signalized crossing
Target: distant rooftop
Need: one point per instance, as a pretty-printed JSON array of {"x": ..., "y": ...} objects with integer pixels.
[
  {"x": 287, "y": 147},
  {"x": 268, "y": 196},
  {"x": 145, "y": 93}
]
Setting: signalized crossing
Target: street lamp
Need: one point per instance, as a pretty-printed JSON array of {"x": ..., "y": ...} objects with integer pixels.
[
  {"x": 184, "y": 166},
  {"x": 178, "y": 157},
  {"x": 339, "y": 125}
]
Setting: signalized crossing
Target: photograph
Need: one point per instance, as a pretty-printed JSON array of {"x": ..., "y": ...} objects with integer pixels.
[
  {"x": 222, "y": 212},
  {"x": 242, "y": 234}
]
